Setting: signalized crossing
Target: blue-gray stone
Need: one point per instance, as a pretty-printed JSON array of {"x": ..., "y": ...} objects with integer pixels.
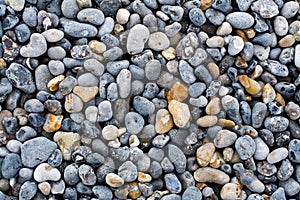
[
  {"x": 11, "y": 165},
  {"x": 27, "y": 190}
]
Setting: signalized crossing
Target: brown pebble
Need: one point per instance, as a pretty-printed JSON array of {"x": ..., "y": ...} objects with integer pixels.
[
  {"x": 204, "y": 154},
  {"x": 169, "y": 53},
  {"x": 2, "y": 63},
  {"x": 268, "y": 93},
  {"x": 180, "y": 113},
  {"x": 213, "y": 107},
  {"x": 144, "y": 178},
  {"x": 213, "y": 70},
  {"x": 86, "y": 93},
  {"x": 178, "y": 92},
  {"x": 211, "y": 175},
  {"x": 251, "y": 86},
  {"x": 53, "y": 122},
  {"x": 216, "y": 160},
  {"x": 54, "y": 83},
  {"x": 163, "y": 121},
  {"x": 250, "y": 33},
  {"x": 287, "y": 41},
  {"x": 207, "y": 121},
  {"x": 134, "y": 191}
]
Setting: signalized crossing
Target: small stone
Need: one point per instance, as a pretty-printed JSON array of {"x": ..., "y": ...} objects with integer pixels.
[
  {"x": 277, "y": 155},
  {"x": 102, "y": 192},
  {"x": 152, "y": 70},
  {"x": 91, "y": 15},
  {"x": 53, "y": 122},
  {"x": 172, "y": 183},
  {"x": 67, "y": 85},
  {"x": 205, "y": 153},
  {"x": 211, "y": 175},
  {"x": 45, "y": 188},
  {"x": 53, "y": 84},
  {"x": 240, "y": 20},
  {"x": 292, "y": 110},
  {"x": 36, "y": 47},
  {"x": 224, "y": 138},
  {"x": 27, "y": 190},
  {"x": 290, "y": 186},
  {"x": 213, "y": 107},
  {"x": 215, "y": 42},
  {"x": 143, "y": 106},
  {"x": 275, "y": 68},
  {"x": 73, "y": 103},
  {"x": 169, "y": 53},
  {"x": 137, "y": 37},
  {"x": 231, "y": 107},
  {"x": 81, "y": 52},
  {"x": 53, "y": 35},
  {"x": 122, "y": 16},
  {"x": 87, "y": 175},
  {"x": 44, "y": 172},
  {"x": 110, "y": 132},
  {"x": 180, "y": 113},
  {"x": 158, "y": 41},
  {"x": 78, "y": 30},
  {"x": 86, "y": 93},
  {"x": 281, "y": 26},
  {"x": 278, "y": 194},
  {"x": 104, "y": 111},
  {"x": 178, "y": 92},
  {"x": 235, "y": 46},
  {"x": 294, "y": 152},
  {"x": 36, "y": 151},
  {"x": 124, "y": 83},
  {"x": 207, "y": 121},
  {"x": 268, "y": 93},
  {"x": 69, "y": 8},
  {"x": 224, "y": 29},
  {"x": 87, "y": 80},
  {"x": 262, "y": 149},
  {"x": 177, "y": 157},
  {"x": 11, "y": 164},
  {"x": 134, "y": 122},
  {"x": 197, "y": 17},
  {"x": 285, "y": 170},
  {"x": 17, "y": 5},
  {"x": 245, "y": 146},
  {"x": 251, "y": 86},
  {"x": 128, "y": 171},
  {"x": 261, "y": 5},
  {"x": 230, "y": 191},
  {"x": 68, "y": 142},
  {"x": 56, "y": 67},
  {"x": 114, "y": 180},
  {"x": 164, "y": 121},
  {"x": 276, "y": 123},
  {"x": 144, "y": 178},
  {"x": 287, "y": 41}
]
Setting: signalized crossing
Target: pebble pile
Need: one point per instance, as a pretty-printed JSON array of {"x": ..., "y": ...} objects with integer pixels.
[{"x": 148, "y": 100}]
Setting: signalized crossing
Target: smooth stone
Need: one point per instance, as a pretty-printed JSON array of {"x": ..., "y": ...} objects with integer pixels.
[
  {"x": 163, "y": 122},
  {"x": 158, "y": 41},
  {"x": 134, "y": 122},
  {"x": 192, "y": 193},
  {"x": 128, "y": 171},
  {"x": 276, "y": 123},
  {"x": 260, "y": 7},
  {"x": 56, "y": 67},
  {"x": 71, "y": 176},
  {"x": 297, "y": 56},
  {"x": 290, "y": 186},
  {"x": 53, "y": 35},
  {"x": 114, "y": 180},
  {"x": 289, "y": 9},
  {"x": 73, "y": 103},
  {"x": 211, "y": 175},
  {"x": 205, "y": 153},
  {"x": 143, "y": 106},
  {"x": 245, "y": 147},
  {"x": 277, "y": 155},
  {"x": 11, "y": 164},
  {"x": 22, "y": 32},
  {"x": 107, "y": 26},
  {"x": 235, "y": 46},
  {"x": 91, "y": 15},
  {"x": 197, "y": 16},
  {"x": 52, "y": 123},
  {"x": 223, "y": 5},
  {"x": 180, "y": 113},
  {"x": 94, "y": 66},
  {"x": 294, "y": 152},
  {"x": 68, "y": 142},
  {"x": 36, "y": 47},
  {"x": 124, "y": 83},
  {"x": 240, "y": 20},
  {"x": 69, "y": 8},
  {"x": 186, "y": 72},
  {"x": 259, "y": 111},
  {"x": 110, "y": 132},
  {"x": 278, "y": 194},
  {"x": 275, "y": 68},
  {"x": 102, "y": 192},
  {"x": 44, "y": 172},
  {"x": 137, "y": 37},
  {"x": 207, "y": 121},
  {"x": 230, "y": 191},
  {"x": 87, "y": 175},
  {"x": 177, "y": 157},
  {"x": 21, "y": 77},
  {"x": 153, "y": 69},
  {"x": 86, "y": 93},
  {"x": 172, "y": 183},
  {"x": 281, "y": 25},
  {"x": 27, "y": 190},
  {"x": 104, "y": 111},
  {"x": 122, "y": 16},
  {"x": 36, "y": 151},
  {"x": 77, "y": 30},
  {"x": 16, "y": 5},
  {"x": 224, "y": 138},
  {"x": 262, "y": 149}
]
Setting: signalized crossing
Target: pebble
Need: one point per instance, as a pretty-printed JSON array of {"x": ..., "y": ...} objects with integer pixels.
[
  {"x": 292, "y": 110},
  {"x": 114, "y": 180},
  {"x": 36, "y": 151},
  {"x": 45, "y": 188},
  {"x": 285, "y": 170},
  {"x": 289, "y": 9},
  {"x": 245, "y": 147},
  {"x": 20, "y": 77},
  {"x": 102, "y": 192},
  {"x": 235, "y": 46},
  {"x": 56, "y": 53},
  {"x": 278, "y": 194},
  {"x": 53, "y": 35},
  {"x": 186, "y": 72},
  {"x": 106, "y": 27},
  {"x": 172, "y": 183},
  {"x": 110, "y": 132},
  {"x": 158, "y": 41},
  {"x": 124, "y": 78},
  {"x": 91, "y": 15},
  {"x": 205, "y": 153},
  {"x": 128, "y": 171},
  {"x": 294, "y": 153},
  {"x": 137, "y": 37},
  {"x": 207, "y": 121},
  {"x": 192, "y": 193},
  {"x": 68, "y": 142},
  {"x": 180, "y": 113},
  {"x": 277, "y": 155},
  {"x": 87, "y": 175},
  {"x": 143, "y": 106},
  {"x": 276, "y": 123},
  {"x": 104, "y": 111},
  {"x": 52, "y": 123},
  {"x": 211, "y": 175},
  {"x": 224, "y": 138},
  {"x": 36, "y": 47},
  {"x": 44, "y": 172},
  {"x": 251, "y": 86},
  {"x": 73, "y": 103},
  {"x": 178, "y": 92},
  {"x": 86, "y": 93},
  {"x": 53, "y": 84},
  {"x": 134, "y": 122},
  {"x": 291, "y": 187},
  {"x": 240, "y": 20},
  {"x": 260, "y": 7},
  {"x": 230, "y": 191},
  {"x": 22, "y": 32},
  {"x": 152, "y": 69},
  {"x": 177, "y": 157},
  {"x": 27, "y": 190},
  {"x": 78, "y": 30},
  {"x": 197, "y": 17},
  {"x": 122, "y": 16},
  {"x": 164, "y": 121},
  {"x": 11, "y": 164},
  {"x": 262, "y": 149},
  {"x": 231, "y": 107},
  {"x": 258, "y": 114}
]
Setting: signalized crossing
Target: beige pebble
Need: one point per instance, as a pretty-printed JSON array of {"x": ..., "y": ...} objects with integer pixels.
[
  {"x": 215, "y": 42},
  {"x": 163, "y": 121},
  {"x": 68, "y": 142},
  {"x": 213, "y": 107},
  {"x": 134, "y": 141},
  {"x": 180, "y": 113},
  {"x": 86, "y": 93},
  {"x": 277, "y": 155},
  {"x": 114, "y": 180},
  {"x": 204, "y": 154},
  {"x": 287, "y": 41},
  {"x": 258, "y": 70},
  {"x": 213, "y": 70},
  {"x": 97, "y": 47},
  {"x": 54, "y": 83},
  {"x": 110, "y": 132},
  {"x": 205, "y": 4},
  {"x": 123, "y": 16},
  {"x": 230, "y": 191},
  {"x": 73, "y": 103},
  {"x": 224, "y": 29},
  {"x": 169, "y": 53},
  {"x": 53, "y": 122},
  {"x": 211, "y": 175},
  {"x": 207, "y": 121},
  {"x": 251, "y": 86},
  {"x": 228, "y": 153},
  {"x": 178, "y": 92},
  {"x": 134, "y": 191},
  {"x": 268, "y": 93},
  {"x": 45, "y": 188},
  {"x": 216, "y": 160},
  {"x": 144, "y": 178}
]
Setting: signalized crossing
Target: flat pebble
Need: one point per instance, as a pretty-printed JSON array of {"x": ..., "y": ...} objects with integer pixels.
[
  {"x": 114, "y": 180},
  {"x": 137, "y": 37},
  {"x": 91, "y": 15},
  {"x": 260, "y": 5},
  {"x": 197, "y": 17},
  {"x": 11, "y": 165},
  {"x": 245, "y": 146},
  {"x": 276, "y": 123},
  {"x": 158, "y": 41},
  {"x": 205, "y": 153},
  {"x": 240, "y": 20},
  {"x": 53, "y": 35},
  {"x": 44, "y": 172},
  {"x": 110, "y": 132},
  {"x": 236, "y": 45},
  {"x": 76, "y": 29},
  {"x": 224, "y": 138},
  {"x": 172, "y": 183},
  {"x": 211, "y": 175},
  {"x": 27, "y": 190},
  {"x": 36, "y": 47},
  {"x": 134, "y": 122}
]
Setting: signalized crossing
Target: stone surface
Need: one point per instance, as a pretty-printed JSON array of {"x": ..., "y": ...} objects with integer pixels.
[
  {"x": 180, "y": 113},
  {"x": 211, "y": 175},
  {"x": 68, "y": 142}
]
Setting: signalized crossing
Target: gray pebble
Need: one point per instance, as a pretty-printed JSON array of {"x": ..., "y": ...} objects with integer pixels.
[
  {"x": 172, "y": 183},
  {"x": 143, "y": 106},
  {"x": 262, "y": 149},
  {"x": 137, "y": 72},
  {"x": 235, "y": 46},
  {"x": 292, "y": 110},
  {"x": 36, "y": 47},
  {"x": 5, "y": 86},
  {"x": 34, "y": 105},
  {"x": 55, "y": 158},
  {"x": 87, "y": 175},
  {"x": 25, "y": 133},
  {"x": 186, "y": 72},
  {"x": 264, "y": 39},
  {"x": 294, "y": 152},
  {"x": 78, "y": 30},
  {"x": 222, "y": 5},
  {"x": 91, "y": 15},
  {"x": 276, "y": 123},
  {"x": 260, "y": 5},
  {"x": 290, "y": 186},
  {"x": 286, "y": 89},
  {"x": 175, "y": 12},
  {"x": 113, "y": 54},
  {"x": 134, "y": 122},
  {"x": 67, "y": 85},
  {"x": 71, "y": 175},
  {"x": 240, "y": 20},
  {"x": 56, "y": 67},
  {"x": 102, "y": 192},
  {"x": 14, "y": 146},
  {"x": 158, "y": 41},
  {"x": 106, "y": 27},
  {"x": 289, "y": 9},
  {"x": 42, "y": 77},
  {"x": 196, "y": 89},
  {"x": 27, "y": 190},
  {"x": 177, "y": 157},
  {"x": 110, "y": 40},
  {"x": 22, "y": 32},
  {"x": 53, "y": 35},
  {"x": 124, "y": 83},
  {"x": 171, "y": 197},
  {"x": 172, "y": 29},
  {"x": 245, "y": 146},
  {"x": 203, "y": 74},
  {"x": 231, "y": 107},
  {"x": 128, "y": 171},
  {"x": 152, "y": 70},
  {"x": 281, "y": 26},
  {"x": 244, "y": 5},
  {"x": 25, "y": 174},
  {"x": 87, "y": 80},
  {"x": 137, "y": 37},
  {"x": 197, "y": 17},
  {"x": 192, "y": 193},
  {"x": 259, "y": 111},
  {"x": 214, "y": 16},
  {"x": 69, "y": 8},
  {"x": 248, "y": 51},
  {"x": 278, "y": 194},
  {"x": 286, "y": 56},
  {"x": 20, "y": 77},
  {"x": 36, "y": 151},
  {"x": 275, "y": 68},
  {"x": 11, "y": 165},
  {"x": 80, "y": 52},
  {"x": 115, "y": 67},
  {"x": 93, "y": 66}
]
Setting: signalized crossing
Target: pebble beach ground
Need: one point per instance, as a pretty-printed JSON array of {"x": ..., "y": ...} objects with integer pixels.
[{"x": 149, "y": 100}]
